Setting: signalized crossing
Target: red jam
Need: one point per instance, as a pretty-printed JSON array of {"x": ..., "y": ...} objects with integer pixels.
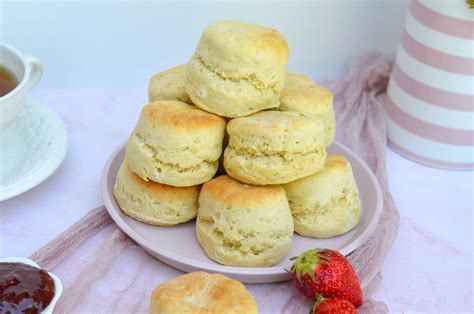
[{"x": 24, "y": 289}]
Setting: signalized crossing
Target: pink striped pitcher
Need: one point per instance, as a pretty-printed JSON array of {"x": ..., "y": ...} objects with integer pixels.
[{"x": 429, "y": 108}]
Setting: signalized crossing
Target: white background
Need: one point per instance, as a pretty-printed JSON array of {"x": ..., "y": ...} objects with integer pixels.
[{"x": 122, "y": 43}]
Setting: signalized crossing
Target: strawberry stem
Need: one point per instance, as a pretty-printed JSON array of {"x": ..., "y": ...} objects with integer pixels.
[
  {"x": 318, "y": 300},
  {"x": 304, "y": 264}
]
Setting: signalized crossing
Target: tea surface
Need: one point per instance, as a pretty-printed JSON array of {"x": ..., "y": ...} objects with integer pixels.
[{"x": 8, "y": 81}]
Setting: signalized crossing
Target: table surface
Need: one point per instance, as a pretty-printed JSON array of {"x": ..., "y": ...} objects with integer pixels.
[{"x": 428, "y": 269}]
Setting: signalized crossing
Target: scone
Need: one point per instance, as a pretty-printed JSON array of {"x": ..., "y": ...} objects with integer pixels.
[
  {"x": 274, "y": 147},
  {"x": 301, "y": 94},
  {"x": 176, "y": 144},
  {"x": 237, "y": 69},
  {"x": 202, "y": 293},
  {"x": 243, "y": 225},
  {"x": 326, "y": 204},
  {"x": 154, "y": 203},
  {"x": 225, "y": 142},
  {"x": 169, "y": 85}
]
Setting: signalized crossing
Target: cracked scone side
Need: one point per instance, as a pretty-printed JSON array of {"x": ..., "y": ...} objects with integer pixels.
[
  {"x": 327, "y": 203},
  {"x": 225, "y": 97},
  {"x": 278, "y": 168},
  {"x": 274, "y": 131},
  {"x": 154, "y": 203},
  {"x": 237, "y": 69},
  {"x": 175, "y": 144},
  {"x": 243, "y": 225},
  {"x": 274, "y": 147}
]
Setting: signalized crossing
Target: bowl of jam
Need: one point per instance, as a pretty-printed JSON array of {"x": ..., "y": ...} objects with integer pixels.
[{"x": 26, "y": 288}]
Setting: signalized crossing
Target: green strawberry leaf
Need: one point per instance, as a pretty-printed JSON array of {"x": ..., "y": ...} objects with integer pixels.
[{"x": 304, "y": 263}]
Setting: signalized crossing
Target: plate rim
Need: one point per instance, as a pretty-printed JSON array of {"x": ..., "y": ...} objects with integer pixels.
[
  {"x": 49, "y": 165},
  {"x": 165, "y": 255}
]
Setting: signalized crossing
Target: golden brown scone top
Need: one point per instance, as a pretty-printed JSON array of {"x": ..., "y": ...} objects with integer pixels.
[
  {"x": 200, "y": 292},
  {"x": 337, "y": 163},
  {"x": 232, "y": 192},
  {"x": 180, "y": 114},
  {"x": 301, "y": 93},
  {"x": 252, "y": 42},
  {"x": 268, "y": 123},
  {"x": 169, "y": 85}
]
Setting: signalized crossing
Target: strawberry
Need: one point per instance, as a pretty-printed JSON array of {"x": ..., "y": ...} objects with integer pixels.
[
  {"x": 332, "y": 306},
  {"x": 326, "y": 272}
]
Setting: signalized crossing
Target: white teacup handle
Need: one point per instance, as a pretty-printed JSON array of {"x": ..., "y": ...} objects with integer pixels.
[{"x": 36, "y": 71}]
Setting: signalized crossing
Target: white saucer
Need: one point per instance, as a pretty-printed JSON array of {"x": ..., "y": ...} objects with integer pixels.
[
  {"x": 31, "y": 149},
  {"x": 178, "y": 246}
]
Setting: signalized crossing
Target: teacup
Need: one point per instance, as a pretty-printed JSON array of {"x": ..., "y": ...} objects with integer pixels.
[{"x": 28, "y": 71}]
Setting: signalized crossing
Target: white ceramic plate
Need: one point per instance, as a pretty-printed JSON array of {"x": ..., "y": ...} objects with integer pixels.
[
  {"x": 58, "y": 287},
  {"x": 178, "y": 246},
  {"x": 31, "y": 149}
]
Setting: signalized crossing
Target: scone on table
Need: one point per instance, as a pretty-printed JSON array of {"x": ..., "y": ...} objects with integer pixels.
[
  {"x": 274, "y": 147},
  {"x": 154, "y": 203},
  {"x": 243, "y": 225},
  {"x": 176, "y": 144},
  {"x": 201, "y": 293},
  {"x": 237, "y": 69},
  {"x": 327, "y": 203},
  {"x": 169, "y": 85},
  {"x": 301, "y": 94}
]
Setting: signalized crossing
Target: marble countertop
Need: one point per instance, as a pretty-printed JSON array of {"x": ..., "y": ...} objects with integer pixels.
[{"x": 430, "y": 266}]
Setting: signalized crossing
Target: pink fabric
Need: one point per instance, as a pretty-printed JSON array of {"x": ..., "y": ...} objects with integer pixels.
[{"x": 103, "y": 270}]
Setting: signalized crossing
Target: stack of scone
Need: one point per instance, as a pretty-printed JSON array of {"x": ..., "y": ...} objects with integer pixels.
[{"x": 234, "y": 101}]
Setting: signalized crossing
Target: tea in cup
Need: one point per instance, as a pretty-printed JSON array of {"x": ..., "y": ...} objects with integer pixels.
[{"x": 18, "y": 75}]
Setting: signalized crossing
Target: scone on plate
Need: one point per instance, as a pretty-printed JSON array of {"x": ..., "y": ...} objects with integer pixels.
[
  {"x": 243, "y": 225},
  {"x": 327, "y": 203},
  {"x": 176, "y": 144},
  {"x": 273, "y": 147},
  {"x": 301, "y": 94},
  {"x": 225, "y": 142},
  {"x": 237, "y": 69},
  {"x": 169, "y": 85},
  {"x": 202, "y": 293},
  {"x": 154, "y": 203}
]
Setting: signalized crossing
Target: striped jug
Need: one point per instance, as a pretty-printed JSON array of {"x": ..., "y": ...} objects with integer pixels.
[{"x": 429, "y": 104}]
